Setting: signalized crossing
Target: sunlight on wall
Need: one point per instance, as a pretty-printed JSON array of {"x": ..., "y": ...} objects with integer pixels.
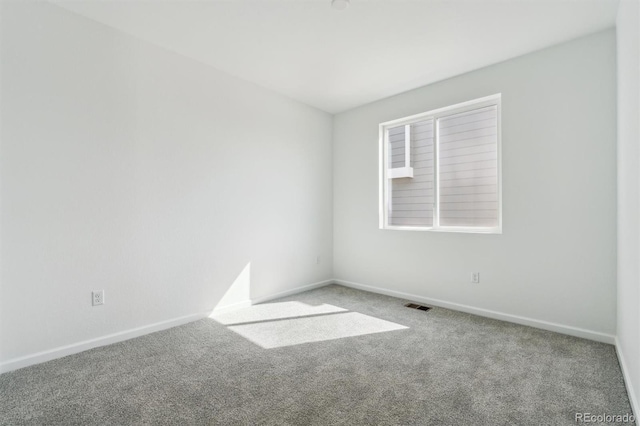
[{"x": 239, "y": 293}]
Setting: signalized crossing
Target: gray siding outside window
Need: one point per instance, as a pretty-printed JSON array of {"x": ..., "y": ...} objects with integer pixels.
[
  {"x": 468, "y": 168},
  {"x": 412, "y": 198}
]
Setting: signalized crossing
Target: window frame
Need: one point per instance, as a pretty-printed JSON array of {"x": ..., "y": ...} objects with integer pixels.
[{"x": 436, "y": 114}]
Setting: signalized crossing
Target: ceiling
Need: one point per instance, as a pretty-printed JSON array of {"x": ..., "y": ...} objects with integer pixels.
[{"x": 337, "y": 60}]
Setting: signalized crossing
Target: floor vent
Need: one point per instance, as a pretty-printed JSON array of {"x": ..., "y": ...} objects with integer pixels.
[{"x": 419, "y": 307}]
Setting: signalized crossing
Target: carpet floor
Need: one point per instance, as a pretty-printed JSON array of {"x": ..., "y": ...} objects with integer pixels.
[{"x": 330, "y": 356}]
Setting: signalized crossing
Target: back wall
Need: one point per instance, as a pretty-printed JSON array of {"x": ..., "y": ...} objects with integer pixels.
[{"x": 556, "y": 258}]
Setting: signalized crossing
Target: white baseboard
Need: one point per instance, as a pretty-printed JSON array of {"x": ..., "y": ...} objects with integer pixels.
[
  {"x": 262, "y": 299},
  {"x": 32, "y": 359},
  {"x": 231, "y": 307},
  {"x": 293, "y": 291},
  {"x": 61, "y": 351},
  {"x": 545, "y": 325},
  {"x": 633, "y": 400}
]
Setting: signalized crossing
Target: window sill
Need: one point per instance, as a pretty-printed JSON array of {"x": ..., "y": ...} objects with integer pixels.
[{"x": 453, "y": 229}]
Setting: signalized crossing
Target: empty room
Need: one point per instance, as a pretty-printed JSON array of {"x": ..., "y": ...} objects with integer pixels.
[{"x": 319, "y": 212}]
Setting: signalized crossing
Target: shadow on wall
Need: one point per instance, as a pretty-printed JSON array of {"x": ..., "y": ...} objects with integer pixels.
[{"x": 274, "y": 325}]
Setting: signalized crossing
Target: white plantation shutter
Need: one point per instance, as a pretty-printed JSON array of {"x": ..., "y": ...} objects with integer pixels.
[{"x": 468, "y": 168}]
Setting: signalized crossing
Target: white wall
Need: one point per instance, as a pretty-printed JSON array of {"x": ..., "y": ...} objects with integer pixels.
[
  {"x": 129, "y": 168},
  {"x": 556, "y": 258},
  {"x": 628, "y": 332}
]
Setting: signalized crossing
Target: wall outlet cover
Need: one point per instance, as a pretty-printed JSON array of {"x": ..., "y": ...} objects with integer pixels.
[{"x": 97, "y": 297}]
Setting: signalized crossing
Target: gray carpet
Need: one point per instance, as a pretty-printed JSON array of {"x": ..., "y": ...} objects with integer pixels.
[{"x": 351, "y": 357}]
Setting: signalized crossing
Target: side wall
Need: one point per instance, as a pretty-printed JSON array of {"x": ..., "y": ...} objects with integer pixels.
[
  {"x": 132, "y": 169},
  {"x": 555, "y": 263},
  {"x": 628, "y": 28}
]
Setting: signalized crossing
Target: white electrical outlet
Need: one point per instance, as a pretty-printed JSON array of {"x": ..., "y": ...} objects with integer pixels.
[
  {"x": 475, "y": 277},
  {"x": 97, "y": 297},
  {"x": 317, "y": 260}
]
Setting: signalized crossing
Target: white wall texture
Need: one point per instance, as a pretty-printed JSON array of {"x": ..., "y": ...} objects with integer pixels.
[
  {"x": 628, "y": 330},
  {"x": 556, "y": 259},
  {"x": 129, "y": 168}
]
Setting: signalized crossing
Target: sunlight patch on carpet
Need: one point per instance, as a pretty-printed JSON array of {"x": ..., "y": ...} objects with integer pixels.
[
  {"x": 295, "y": 331},
  {"x": 274, "y": 311}
]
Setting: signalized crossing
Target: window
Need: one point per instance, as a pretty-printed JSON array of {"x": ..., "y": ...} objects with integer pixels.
[{"x": 440, "y": 170}]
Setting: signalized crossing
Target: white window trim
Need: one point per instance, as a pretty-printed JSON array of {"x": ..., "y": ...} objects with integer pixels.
[{"x": 493, "y": 100}]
